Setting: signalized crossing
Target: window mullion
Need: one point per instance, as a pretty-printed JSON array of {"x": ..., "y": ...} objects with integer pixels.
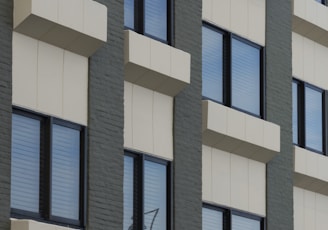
[
  {"x": 48, "y": 166},
  {"x": 140, "y": 16},
  {"x": 301, "y": 113},
  {"x": 83, "y": 176},
  {"x": 324, "y": 121},
  {"x": 227, "y": 72}
]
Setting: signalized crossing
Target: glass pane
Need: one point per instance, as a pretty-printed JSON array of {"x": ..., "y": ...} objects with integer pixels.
[
  {"x": 65, "y": 175},
  {"x": 212, "y": 219},
  {"x": 156, "y": 18},
  {"x": 128, "y": 193},
  {"x": 245, "y": 77},
  {"x": 295, "y": 114},
  {"x": 155, "y": 197},
  {"x": 212, "y": 69},
  {"x": 129, "y": 13},
  {"x": 313, "y": 119},
  {"x": 25, "y": 163},
  {"x": 243, "y": 223}
]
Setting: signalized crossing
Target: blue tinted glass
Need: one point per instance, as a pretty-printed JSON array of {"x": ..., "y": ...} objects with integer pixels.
[
  {"x": 129, "y": 13},
  {"x": 128, "y": 193},
  {"x": 313, "y": 119},
  {"x": 245, "y": 77},
  {"x": 295, "y": 114},
  {"x": 212, "y": 69},
  {"x": 212, "y": 219},
  {"x": 243, "y": 223},
  {"x": 154, "y": 196},
  {"x": 25, "y": 163},
  {"x": 65, "y": 175},
  {"x": 156, "y": 18}
]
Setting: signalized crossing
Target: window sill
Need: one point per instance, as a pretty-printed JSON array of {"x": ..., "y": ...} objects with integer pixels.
[
  {"x": 310, "y": 170},
  {"x": 154, "y": 65},
  {"x": 34, "y": 225},
  {"x": 239, "y": 133},
  {"x": 68, "y": 26}
]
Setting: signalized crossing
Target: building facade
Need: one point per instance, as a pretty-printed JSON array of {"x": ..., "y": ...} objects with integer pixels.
[{"x": 163, "y": 114}]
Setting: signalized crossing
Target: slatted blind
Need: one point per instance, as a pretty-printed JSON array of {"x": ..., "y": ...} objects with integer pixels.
[
  {"x": 129, "y": 13},
  {"x": 65, "y": 172},
  {"x": 25, "y": 160},
  {"x": 295, "y": 113},
  {"x": 243, "y": 223},
  {"x": 212, "y": 219},
  {"x": 313, "y": 119},
  {"x": 245, "y": 77},
  {"x": 128, "y": 192},
  {"x": 212, "y": 64},
  {"x": 156, "y": 18},
  {"x": 155, "y": 196}
]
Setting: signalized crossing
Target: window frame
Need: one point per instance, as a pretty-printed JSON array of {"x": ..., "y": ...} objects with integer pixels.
[
  {"x": 138, "y": 187},
  {"x": 139, "y": 21},
  {"x": 301, "y": 119},
  {"x": 45, "y": 169},
  {"x": 227, "y": 70},
  {"x": 227, "y": 213}
]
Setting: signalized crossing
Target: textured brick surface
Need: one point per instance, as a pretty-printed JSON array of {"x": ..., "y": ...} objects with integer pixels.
[
  {"x": 6, "y": 24},
  {"x": 279, "y": 111},
  {"x": 187, "y": 121},
  {"x": 105, "y": 187}
]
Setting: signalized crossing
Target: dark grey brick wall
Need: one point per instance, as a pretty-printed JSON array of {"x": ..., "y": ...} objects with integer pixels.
[
  {"x": 279, "y": 111},
  {"x": 6, "y": 25},
  {"x": 105, "y": 187},
  {"x": 187, "y": 121}
]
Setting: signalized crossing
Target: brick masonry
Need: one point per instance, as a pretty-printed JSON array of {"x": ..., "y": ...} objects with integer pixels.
[
  {"x": 106, "y": 121},
  {"x": 6, "y": 25},
  {"x": 187, "y": 165},
  {"x": 279, "y": 111}
]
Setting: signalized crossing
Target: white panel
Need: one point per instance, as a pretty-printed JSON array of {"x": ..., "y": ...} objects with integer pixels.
[
  {"x": 256, "y": 21},
  {"x": 75, "y": 88},
  {"x": 257, "y": 187},
  {"x": 297, "y": 54},
  {"x": 160, "y": 57},
  {"x": 236, "y": 124},
  {"x": 207, "y": 173},
  {"x": 50, "y": 71},
  {"x": 239, "y": 16},
  {"x": 142, "y": 119},
  {"x": 207, "y": 10},
  {"x": 298, "y": 209},
  {"x": 221, "y": 13},
  {"x": 70, "y": 13},
  {"x": 46, "y": 9},
  {"x": 128, "y": 94},
  {"x": 25, "y": 71},
  {"x": 321, "y": 67},
  {"x": 309, "y": 61}
]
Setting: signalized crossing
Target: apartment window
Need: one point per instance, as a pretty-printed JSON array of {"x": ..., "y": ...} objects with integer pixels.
[
  {"x": 232, "y": 71},
  {"x": 323, "y": 2},
  {"x": 147, "y": 195},
  {"x": 48, "y": 162},
  {"x": 308, "y": 116},
  {"x": 216, "y": 218},
  {"x": 149, "y": 17}
]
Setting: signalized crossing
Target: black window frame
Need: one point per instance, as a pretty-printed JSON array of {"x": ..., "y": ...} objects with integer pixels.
[
  {"x": 44, "y": 214},
  {"x": 227, "y": 70},
  {"x": 228, "y": 212},
  {"x": 139, "y": 21},
  {"x": 301, "y": 124},
  {"x": 138, "y": 192}
]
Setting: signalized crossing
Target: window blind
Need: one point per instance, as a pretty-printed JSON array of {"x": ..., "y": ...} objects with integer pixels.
[
  {"x": 212, "y": 219},
  {"x": 155, "y": 196},
  {"x": 25, "y": 160},
  {"x": 243, "y": 223},
  {"x": 128, "y": 192},
  {"x": 156, "y": 18},
  {"x": 295, "y": 113},
  {"x": 245, "y": 77},
  {"x": 212, "y": 64},
  {"x": 65, "y": 172},
  {"x": 129, "y": 13}
]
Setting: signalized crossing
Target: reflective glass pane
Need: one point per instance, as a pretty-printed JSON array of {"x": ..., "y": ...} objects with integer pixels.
[
  {"x": 128, "y": 193},
  {"x": 129, "y": 13},
  {"x": 295, "y": 113},
  {"x": 245, "y": 77},
  {"x": 212, "y": 219},
  {"x": 156, "y": 18},
  {"x": 212, "y": 61},
  {"x": 155, "y": 196},
  {"x": 243, "y": 223},
  {"x": 65, "y": 175},
  {"x": 313, "y": 119},
  {"x": 25, "y": 163}
]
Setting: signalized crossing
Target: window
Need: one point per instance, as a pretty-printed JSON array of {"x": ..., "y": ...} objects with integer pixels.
[
  {"x": 149, "y": 17},
  {"x": 323, "y": 2},
  {"x": 147, "y": 196},
  {"x": 232, "y": 71},
  {"x": 215, "y": 218},
  {"x": 47, "y": 170},
  {"x": 308, "y": 116}
]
